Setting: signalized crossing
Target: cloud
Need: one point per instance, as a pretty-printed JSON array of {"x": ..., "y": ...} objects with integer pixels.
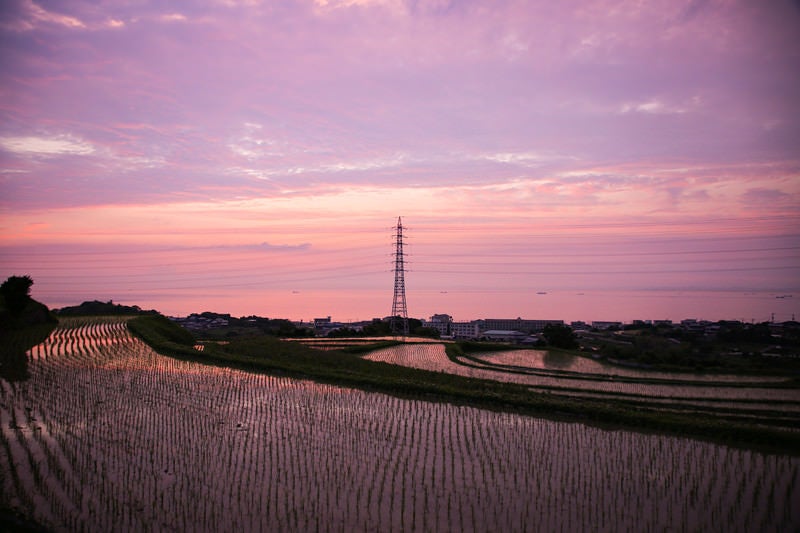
[
  {"x": 397, "y": 5},
  {"x": 282, "y": 96},
  {"x": 261, "y": 247},
  {"x": 653, "y": 107},
  {"x": 521, "y": 158},
  {"x": 173, "y": 17},
  {"x": 765, "y": 196},
  {"x": 284, "y": 247},
  {"x": 322, "y": 167},
  {"x": 40, "y": 14},
  {"x": 27, "y": 15},
  {"x": 489, "y": 126},
  {"x": 253, "y": 144},
  {"x": 46, "y": 146}
]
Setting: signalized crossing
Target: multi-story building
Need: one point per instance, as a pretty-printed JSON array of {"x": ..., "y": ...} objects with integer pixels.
[
  {"x": 442, "y": 323},
  {"x": 465, "y": 330},
  {"x": 475, "y": 329},
  {"x": 517, "y": 324},
  {"x": 602, "y": 324}
]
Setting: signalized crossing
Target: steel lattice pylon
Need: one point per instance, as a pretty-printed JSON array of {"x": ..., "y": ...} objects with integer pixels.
[{"x": 399, "y": 312}]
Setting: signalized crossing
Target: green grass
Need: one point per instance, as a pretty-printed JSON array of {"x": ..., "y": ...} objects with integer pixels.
[
  {"x": 268, "y": 354},
  {"x": 164, "y": 335}
]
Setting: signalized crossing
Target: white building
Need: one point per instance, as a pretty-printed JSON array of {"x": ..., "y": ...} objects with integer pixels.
[
  {"x": 441, "y": 323},
  {"x": 465, "y": 330}
]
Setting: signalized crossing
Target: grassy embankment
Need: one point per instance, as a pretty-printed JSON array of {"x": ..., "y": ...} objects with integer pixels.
[{"x": 267, "y": 354}]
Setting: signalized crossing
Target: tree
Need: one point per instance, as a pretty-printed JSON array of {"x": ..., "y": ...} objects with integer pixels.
[
  {"x": 423, "y": 331},
  {"x": 344, "y": 332},
  {"x": 560, "y": 336},
  {"x": 16, "y": 292},
  {"x": 377, "y": 328}
]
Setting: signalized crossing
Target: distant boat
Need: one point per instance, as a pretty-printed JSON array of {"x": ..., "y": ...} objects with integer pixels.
[
  {"x": 541, "y": 292},
  {"x": 295, "y": 292},
  {"x": 784, "y": 296}
]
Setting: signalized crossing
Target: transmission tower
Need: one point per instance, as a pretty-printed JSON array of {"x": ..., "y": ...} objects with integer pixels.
[{"x": 399, "y": 312}]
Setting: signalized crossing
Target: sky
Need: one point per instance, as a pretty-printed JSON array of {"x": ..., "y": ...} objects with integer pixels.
[{"x": 629, "y": 158}]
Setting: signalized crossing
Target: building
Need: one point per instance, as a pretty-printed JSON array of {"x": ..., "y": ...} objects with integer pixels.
[
  {"x": 602, "y": 324},
  {"x": 476, "y": 329},
  {"x": 517, "y": 324},
  {"x": 441, "y": 323},
  {"x": 694, "y": 325},
  {"x": 322, "y": 322},
  {"x": 465, "y": 330},
  {"x": 323, "y": 326},
  {"x": 499, "y": 335}
]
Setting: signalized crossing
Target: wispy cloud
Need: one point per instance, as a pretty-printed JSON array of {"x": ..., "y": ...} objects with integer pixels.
[
  {"x": 46, "y": 146},
  {"x": 521, "y": 158},
  {"x": 33, "y": 13},
  {"x": 771, "y": 197},
  {"x": 654, "y": 106}
]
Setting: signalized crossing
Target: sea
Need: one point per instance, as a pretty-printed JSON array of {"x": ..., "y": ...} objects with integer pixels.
[{"x": 568, "y": 305}]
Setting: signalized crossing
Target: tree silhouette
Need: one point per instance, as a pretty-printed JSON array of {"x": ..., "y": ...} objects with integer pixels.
[
  {"x": 560, "y": 336},
  {"x": 16, "y": 291}
]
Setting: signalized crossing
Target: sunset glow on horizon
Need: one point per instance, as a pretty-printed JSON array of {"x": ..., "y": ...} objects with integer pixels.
[{"x": 603, "y": 160}]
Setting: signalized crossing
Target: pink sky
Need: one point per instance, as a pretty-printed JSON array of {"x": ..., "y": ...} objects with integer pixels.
[{"x": 251, "y": 157}]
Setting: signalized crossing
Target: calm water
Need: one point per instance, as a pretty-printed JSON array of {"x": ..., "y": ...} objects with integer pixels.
[{"x": 463, "y": 305}]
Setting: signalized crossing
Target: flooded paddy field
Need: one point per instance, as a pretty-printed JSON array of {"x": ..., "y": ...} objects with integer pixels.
[
  {"x": 580, "y": 377},
  {"x": 107, "y": 435}
]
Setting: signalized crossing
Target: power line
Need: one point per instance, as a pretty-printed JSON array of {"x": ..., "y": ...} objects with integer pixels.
[{"x": 605, "y": 272}]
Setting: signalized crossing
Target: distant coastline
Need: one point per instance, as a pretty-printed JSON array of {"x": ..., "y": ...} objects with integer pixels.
[{"x": 567, "y": 305}]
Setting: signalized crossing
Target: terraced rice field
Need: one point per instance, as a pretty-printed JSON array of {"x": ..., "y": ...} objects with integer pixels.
[
  {"x": 543, "y": 360},
  {"x": 107, "y": 435},
  {"x": 746, "y": 396}
]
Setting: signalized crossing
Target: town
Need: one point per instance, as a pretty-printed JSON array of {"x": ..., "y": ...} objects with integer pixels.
[{"x": 690, "y": 344}]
